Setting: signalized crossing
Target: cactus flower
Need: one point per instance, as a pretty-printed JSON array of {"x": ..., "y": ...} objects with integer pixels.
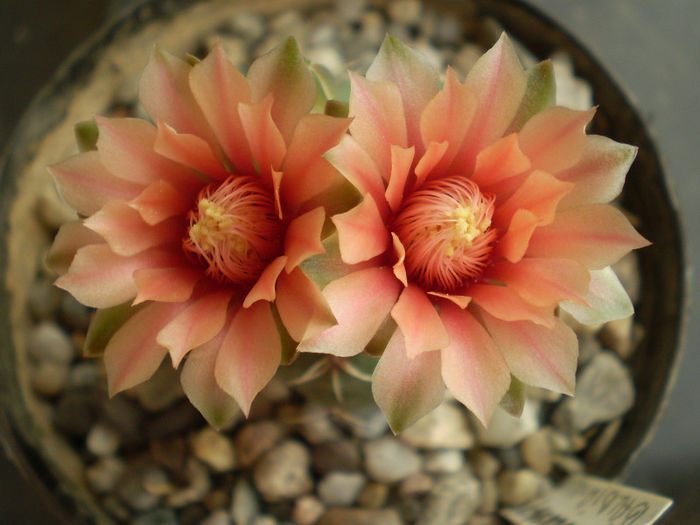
[
  {"x": 194, "y": 227},
  {"x": 484, "y": 208}
]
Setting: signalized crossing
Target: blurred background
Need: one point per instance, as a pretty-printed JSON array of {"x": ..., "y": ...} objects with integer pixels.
[{"x": 650, "y": 47}]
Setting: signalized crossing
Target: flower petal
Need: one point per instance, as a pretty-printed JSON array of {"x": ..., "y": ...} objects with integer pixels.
[
  {"x": 197, "y": 324},
  {"x": 514, "y": 242},
  {"x": 250, "y": 354},
  {"x": 361, "y": 232},
  {"x": 539, "y": 356},
  {"x": 544, "y": 281},
  {"x": 461, "y": 301},
  {"x": 160, "y": 201},
  {"x": 306, "y": 172},
  {"x": 379, "y": 120},
  {"x": 304, "y": 311},
  {"x": 189, "y": 150},
  {"x": 401, "y": 160},
  {"x": 355, "y": 164},
  {"x": 87, "y": 185},
  {"x": 70, "y": 238},
  {"x": 303, "y": 237},
  {"x": 539, "y": 193},
  {"x": 419, "y": 322},
  {"x": 164, "y": 91},
  {"x": 99, "y": 278},
  {"x": 554, "y": 138},
  {"x": 432, "y": 157},
  {"x": 399, "y": 267},
  {"x": 540, "y": 93},
  {"x": 473, "y": 367},
  {"x": 127, "y": 233},
  {"x": 606, "y": 300},
  {"x": 360, "y": 301},
  {"x": 417, "y": 80},
  {"x": 264, "y": 288},
  {"x": 405, "y": 388},
  {"x": 283, "y": 73},
  {"x": 501, "y": 160},
  {"x": 218, "y": 88},
  {"x": 125, "y": 146},
  {"x": 200, "y": 386},
  {"x": 597, "y": 235},
  {"x": 170, "y": 285},
  {"x": 447, "y": 118},
  {"x": 506, "y": 304},
  {"x": 499, "y": 82},
  {"x": 132, "y": 354},
  {"x": 265, "y": 140},
  {"x": 600, "y": 172}
]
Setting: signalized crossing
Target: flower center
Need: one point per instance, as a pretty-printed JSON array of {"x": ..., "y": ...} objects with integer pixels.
[
  {"x": 234, "y": 230},
  {"x": 445, "y": 227}
]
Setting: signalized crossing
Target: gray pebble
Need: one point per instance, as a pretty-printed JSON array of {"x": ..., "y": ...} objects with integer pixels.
[
  {"x": 405, "y": 11},
  {"x": 214, "y": 449},
  {"x": 388, "y": 460},
  {"x": 307, "y": 510},
  {"x": 316, "y": 425},
  {"x": 49, "y": 342},
  {"x": 104, "y": 474},
  {"x": 75, "y": 412},
  {"x": 374, "y": 496},
  {"x": 244, "y": 503},
  {"x": 518, "y": 486},
  {"x": 218, "y": 517},
  {"x": 341, "y": 489},
  {"x": 102, "y": 440},
  {"x": 249, "y": 25},
  {"x": 443, "y": 461},
  {"x": 43, "y": 299},
  {"x": 368, "y": 424},
  {"x": 343, "y": 454},
  {"x": 283, "y": 472},
  {"x": 506, "y": 430},
  {"x": 452, "y": 500},
  {"x": 157, "y": 517},
  {"x": 604, "y": 391},
  {"x": 199, "y": 485},
  {"x": 161, "y": 390},
  {"x": 485, "y": 464},
  {"x": 85, "y": 374},
  {"x": 361, "y": 517},
  {"x": 445, "y": 427},
  {"x": 256, "y": 438},
  {"x": 489, "y": 496},
  {"x": 74, "y": 314},
  {"x": 132, "y": 491},
  {"x": 418, "y": 483},
  {"x": 537, "y": 451},
  {"x": 50, "y": 378}
]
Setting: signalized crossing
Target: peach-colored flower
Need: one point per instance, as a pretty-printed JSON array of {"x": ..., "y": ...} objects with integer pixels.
[
  {"x": 483, "y": 208},
  {"x": 202, "y": 221}
]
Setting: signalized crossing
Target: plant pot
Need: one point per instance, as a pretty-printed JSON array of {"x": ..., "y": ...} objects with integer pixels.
[{"x": 101, "y": 79}]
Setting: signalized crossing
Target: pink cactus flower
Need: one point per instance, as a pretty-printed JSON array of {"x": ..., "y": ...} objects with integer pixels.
[
  {"x": 484, "y": 207},
  {"x": 197, "y": 225}
]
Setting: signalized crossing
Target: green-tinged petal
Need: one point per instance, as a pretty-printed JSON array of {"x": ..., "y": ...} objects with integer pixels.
[
  {"x": 332, "y": 87},
  {"x": 600, "y": 172},
  {"x": 284, "y": 73},
  {"x": 406, "y": 388},
  {"x": 540, "y": 93},
  {"x": 326, "y": 267},
  {"x": 104, "y": 324},
  {"x": 607, "y": 300},
  {"x": 199, "y": 384},
  {"x": 514, "y": 400},
  {"x": 289, "y": 345},
  {"x": 86, "y": 134},
  {"x": 417, "y": 80}
]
